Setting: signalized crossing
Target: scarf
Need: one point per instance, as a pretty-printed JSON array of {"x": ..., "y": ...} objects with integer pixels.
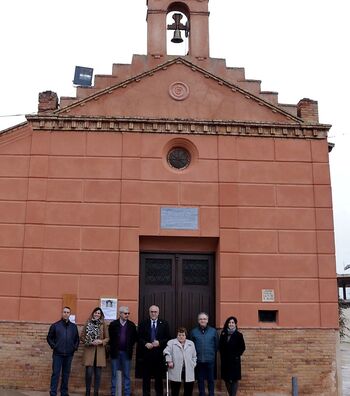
[
  {"x": 92, "y": 331},
  {"x": 229, "y": 333}
]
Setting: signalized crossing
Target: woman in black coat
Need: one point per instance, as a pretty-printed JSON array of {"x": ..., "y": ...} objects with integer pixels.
[{"x": 231, "y": 346}]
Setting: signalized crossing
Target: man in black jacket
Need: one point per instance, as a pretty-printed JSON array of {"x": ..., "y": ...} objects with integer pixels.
[
  {"x": 153, "y": 337},
  {"x": 63, "y": 338},
  {"x": 122, "y": 337}
]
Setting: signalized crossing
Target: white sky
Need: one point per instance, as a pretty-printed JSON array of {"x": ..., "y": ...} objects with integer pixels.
[{"x": 298, "y": 48}]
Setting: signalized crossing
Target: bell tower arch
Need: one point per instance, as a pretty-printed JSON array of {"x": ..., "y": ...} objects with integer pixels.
[{"x": 196, "y": 27}]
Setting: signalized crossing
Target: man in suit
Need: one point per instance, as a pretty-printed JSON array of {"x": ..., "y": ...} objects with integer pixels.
[
  {"x": 122, "y": 337},
  {"x": 153, "y": 337}
]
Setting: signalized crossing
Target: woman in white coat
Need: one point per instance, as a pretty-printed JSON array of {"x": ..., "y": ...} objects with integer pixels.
[{"x": 180, "y": 355}]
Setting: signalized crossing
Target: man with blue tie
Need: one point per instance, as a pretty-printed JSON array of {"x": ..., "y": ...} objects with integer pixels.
[{"x": 153, "y": 337}]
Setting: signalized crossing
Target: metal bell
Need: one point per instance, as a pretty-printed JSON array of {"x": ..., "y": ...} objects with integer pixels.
[{"x": 177, "y": 37}]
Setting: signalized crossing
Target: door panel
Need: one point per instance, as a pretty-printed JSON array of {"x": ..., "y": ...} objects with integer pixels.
[
  {"x": 182, "y": 285},
  {"x": 157, "y": 283}
]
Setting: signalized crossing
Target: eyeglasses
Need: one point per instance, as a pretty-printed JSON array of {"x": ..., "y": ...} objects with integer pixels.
[
  {"x": 126, "y": 313},
  {"x": 154, "y": 311}
]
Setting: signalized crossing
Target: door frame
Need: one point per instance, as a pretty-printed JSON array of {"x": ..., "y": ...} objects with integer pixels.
[{"x": 177, "y": 267}]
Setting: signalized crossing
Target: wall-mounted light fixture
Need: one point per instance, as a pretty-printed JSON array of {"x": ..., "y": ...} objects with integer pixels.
[{"x": 83, "y": 76}]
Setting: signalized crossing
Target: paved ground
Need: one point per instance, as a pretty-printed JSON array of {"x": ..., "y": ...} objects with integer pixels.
[
  {"x": 345, "y": 366},
  {"x": 14, "y": 392}
]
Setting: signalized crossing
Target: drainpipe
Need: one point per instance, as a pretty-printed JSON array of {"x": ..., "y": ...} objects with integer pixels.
[{"x": 294, "y": 386}]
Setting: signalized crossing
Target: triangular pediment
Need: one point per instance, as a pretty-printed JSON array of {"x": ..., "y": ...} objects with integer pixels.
[{"x": 178, "y": 89}]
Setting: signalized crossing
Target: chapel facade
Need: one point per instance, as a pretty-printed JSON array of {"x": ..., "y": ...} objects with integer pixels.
[{"x": 172, "y": 181}]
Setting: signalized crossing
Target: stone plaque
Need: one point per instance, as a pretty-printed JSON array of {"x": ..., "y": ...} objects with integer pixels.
[
  {"x": 268, "y": 295},
  {"x": 179, "y": 218}
]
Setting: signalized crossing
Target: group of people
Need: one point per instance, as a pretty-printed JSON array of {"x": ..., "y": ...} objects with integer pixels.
[{"x": 186, "y": 357}]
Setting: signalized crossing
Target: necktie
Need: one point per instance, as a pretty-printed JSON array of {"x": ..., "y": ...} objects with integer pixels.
[{"x": 153, "y": 331}]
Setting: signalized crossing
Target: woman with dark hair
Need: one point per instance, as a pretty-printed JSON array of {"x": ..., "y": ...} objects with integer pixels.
[
  {"x": 181, "y": 357},
  {"x": 231, "y": 347},
  {"x": 94, "y": 336}
]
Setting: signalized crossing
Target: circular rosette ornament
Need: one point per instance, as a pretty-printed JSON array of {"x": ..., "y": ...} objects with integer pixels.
[{"x": 179, "y": 90}]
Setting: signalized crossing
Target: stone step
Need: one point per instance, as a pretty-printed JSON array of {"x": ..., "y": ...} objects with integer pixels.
[{"x": 137, "y": 388}]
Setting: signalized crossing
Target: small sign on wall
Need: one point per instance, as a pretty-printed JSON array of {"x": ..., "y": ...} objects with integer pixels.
[
  {"x": 109, "y": 307},
  {"x": 268, "y": 295}
]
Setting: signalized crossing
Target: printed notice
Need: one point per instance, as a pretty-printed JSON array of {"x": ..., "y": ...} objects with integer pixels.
[
  {"x": 109, "y": 307},
  {"x": 179, "y": 218},
  {"x": 268, "y": 295}
]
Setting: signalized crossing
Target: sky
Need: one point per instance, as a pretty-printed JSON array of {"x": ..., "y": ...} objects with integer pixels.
[{"x": 298, "y": 48}]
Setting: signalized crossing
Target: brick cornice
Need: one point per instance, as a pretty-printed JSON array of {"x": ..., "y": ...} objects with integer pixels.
[{"x": 176, "y": 126}]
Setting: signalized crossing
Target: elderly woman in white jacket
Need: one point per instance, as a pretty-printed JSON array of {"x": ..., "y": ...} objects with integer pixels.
[{"x": 180, "y": 355}]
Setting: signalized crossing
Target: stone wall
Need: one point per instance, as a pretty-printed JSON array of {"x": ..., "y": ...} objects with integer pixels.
[{"x": 272, "y": 357}]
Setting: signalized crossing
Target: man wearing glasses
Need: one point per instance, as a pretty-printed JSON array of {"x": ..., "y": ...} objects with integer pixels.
[
  {"x": 153, "y": 337},
  {"x": 122, "y": 337}
]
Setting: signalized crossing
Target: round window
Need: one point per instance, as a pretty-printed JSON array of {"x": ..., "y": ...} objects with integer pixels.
[{"x": 179, "y": 158}]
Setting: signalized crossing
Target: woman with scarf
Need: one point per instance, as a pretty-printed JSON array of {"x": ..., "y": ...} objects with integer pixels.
[
  {"x": 94, "y": 336},
  {"x": 231, "y": 347}
]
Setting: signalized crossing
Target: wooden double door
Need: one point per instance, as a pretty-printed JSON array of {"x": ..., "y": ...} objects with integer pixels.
[{"x": 182, "y": 285}]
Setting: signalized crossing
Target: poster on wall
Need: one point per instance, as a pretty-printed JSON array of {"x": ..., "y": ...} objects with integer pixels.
[
  {"x": 72, "y": 318},
  {"x": 109, "y": 307}
]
